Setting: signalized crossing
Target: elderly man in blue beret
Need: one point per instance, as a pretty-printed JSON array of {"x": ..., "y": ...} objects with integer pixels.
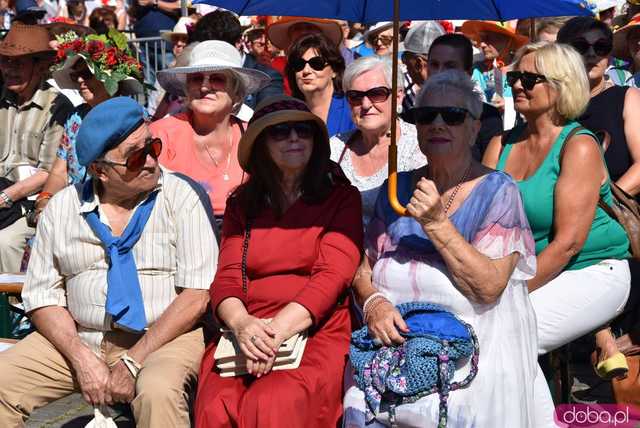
[{"x": 117, "y": 282}]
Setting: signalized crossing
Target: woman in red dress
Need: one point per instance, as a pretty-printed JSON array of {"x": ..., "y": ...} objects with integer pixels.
[{"x": 298, "y": 224}]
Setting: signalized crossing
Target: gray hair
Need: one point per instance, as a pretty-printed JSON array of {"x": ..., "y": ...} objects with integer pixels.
[
  {"x": 368, "y": 63},
  {"x": 457, "y": 80}
]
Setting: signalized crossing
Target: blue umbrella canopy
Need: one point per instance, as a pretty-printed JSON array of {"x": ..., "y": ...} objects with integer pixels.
[{"x": 368, "y": 11}]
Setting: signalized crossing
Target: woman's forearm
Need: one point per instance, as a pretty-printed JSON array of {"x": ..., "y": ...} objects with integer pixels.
[
  {"x": 630, "y": 180},
  {"x": 480, "y": 279},
  {"x": 362, "y": 283},
  {"x": 550, "y": 263},
  {"x": 58, "y": 177},
  {"x": 292, "y": 319},
  {"x": 230, "y": 311}
]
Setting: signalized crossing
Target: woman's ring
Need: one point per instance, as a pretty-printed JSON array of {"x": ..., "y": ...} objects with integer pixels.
[{"x": 253, "y": 338}]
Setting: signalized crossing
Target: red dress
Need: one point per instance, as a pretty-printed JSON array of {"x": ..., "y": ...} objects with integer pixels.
[{"x": 308, "y": 256}]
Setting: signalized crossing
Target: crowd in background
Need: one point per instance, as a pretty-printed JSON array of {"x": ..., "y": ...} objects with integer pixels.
[{"x": 257, "y": 150}]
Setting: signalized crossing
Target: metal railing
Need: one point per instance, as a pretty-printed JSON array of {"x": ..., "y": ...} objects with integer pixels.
[{"x": 151, "y": 52}]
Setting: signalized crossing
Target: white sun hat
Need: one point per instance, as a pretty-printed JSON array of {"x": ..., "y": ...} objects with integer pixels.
[
  {"x": 180, "y": 29},
  {"x": 209, "y": 56}
]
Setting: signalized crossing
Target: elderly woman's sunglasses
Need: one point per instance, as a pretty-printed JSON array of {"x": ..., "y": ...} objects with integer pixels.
[
  {"x": 452, "y": 116},
  {"x": 378, "y": 94},
  {"x": 527, "y": 79},
  {"x": 318, "y": 63},
  {"x": 281, "y": 131},
  {"x": 136, "y": 160},
  {"x": 602, "y": 47},
  {"x": 84, "y": 72}
]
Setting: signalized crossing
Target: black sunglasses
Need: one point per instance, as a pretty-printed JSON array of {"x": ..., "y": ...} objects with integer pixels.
[
  {"x": 378, "y": 94},
  {"x": 527, "y": 79},
  {"x": 318, "y": 63},
  {"x": 601, "y": 47},
  {"x": 452, "y": 116},
  {"x": 85, "y": 73},
  {"x": 281, "y": 131},
  {"x": 136, "y": 160}
]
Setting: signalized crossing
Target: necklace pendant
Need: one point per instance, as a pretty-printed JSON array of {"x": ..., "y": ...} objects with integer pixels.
[{"x": 225, "y": 177}]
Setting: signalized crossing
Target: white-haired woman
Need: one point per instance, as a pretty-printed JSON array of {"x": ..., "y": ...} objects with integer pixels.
[
  {"x": 583, "y": 279},
  {"x": 202, "y": 142},
  {"x": 466, "y": 245},
  {"x": 363, "y": 152}
]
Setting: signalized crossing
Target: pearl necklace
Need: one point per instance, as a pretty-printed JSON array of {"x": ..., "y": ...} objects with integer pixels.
[{"x": 455, "y": 191}]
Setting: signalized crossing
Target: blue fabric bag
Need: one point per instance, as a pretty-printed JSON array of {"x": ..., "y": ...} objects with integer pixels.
[{"x": 424, "y": 364}]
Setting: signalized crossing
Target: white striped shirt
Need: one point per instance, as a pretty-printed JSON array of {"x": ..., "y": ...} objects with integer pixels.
[{"x": 68, "y": 266}]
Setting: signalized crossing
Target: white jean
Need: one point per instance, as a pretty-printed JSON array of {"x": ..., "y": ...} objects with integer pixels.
[{"x": 571, "y": 305}]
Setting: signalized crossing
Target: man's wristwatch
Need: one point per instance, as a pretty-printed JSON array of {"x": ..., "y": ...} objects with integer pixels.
[
  {"x": 132, "y": 365},
  {"x": 5, "y": 200}
]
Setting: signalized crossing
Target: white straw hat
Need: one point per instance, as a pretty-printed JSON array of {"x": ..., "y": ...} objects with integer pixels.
[
  {"x": 208, "y": 56},
  {"x": 180, "y": 29}
]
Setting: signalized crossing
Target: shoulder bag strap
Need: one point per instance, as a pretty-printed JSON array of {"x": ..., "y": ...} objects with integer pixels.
[
  {"x": 601, "y": 203},
  {"x": 245, "y": 250}
]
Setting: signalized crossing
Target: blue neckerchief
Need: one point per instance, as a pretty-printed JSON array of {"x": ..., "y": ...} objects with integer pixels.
[{"x": 124, "y": 298}]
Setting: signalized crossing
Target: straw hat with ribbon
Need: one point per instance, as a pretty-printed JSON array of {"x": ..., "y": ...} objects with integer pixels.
[
  {"x": 59, "y": 26},
  {"x": 26, "y": 40},
  {"x": 272, "y": 111},
  {"x": 620, "y": 49},
  {"x": 474, "y": 30},
  {"x": 210, "y": 56},
  {"x": 278, "y": 32},
  {"x": 180, "y": 29},
  {"x": 107, "y": 57}
]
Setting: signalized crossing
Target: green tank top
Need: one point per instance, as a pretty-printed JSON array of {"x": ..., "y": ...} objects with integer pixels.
[{"x": 606, "y": 240}]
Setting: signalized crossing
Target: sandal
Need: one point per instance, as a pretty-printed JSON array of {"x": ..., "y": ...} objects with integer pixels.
[{"x": 613, "y": 367}]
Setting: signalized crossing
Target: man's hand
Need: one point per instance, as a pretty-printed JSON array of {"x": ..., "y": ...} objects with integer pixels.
[
  {"x": 93, "y": 375},
  {"x": 122, "y": 386}
]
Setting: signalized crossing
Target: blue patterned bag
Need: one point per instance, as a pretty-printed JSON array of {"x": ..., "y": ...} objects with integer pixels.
[{"x": 424, "y": 364}]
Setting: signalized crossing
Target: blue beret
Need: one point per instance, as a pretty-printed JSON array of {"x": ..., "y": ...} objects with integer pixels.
[{"x": 107, "y": 125}]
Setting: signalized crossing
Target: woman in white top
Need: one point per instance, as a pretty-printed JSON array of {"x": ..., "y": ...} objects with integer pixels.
[{"x": 363, "y": 153}]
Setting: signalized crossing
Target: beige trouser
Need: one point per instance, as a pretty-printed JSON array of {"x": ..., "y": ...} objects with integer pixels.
[
  {"x": 33, "y": 373},
  {"x": 13, "y": 240}
]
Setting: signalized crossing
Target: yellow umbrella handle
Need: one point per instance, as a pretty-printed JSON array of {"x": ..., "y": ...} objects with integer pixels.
[{"x": 393, "y": 147}]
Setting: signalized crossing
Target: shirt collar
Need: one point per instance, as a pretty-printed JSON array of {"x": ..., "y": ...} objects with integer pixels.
[
  {"x": 39, "y": 99},
  {"x": 89, "y": 205}
]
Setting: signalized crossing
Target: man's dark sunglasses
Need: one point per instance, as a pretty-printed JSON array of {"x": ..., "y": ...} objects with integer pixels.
[
  {"x": 85, "y": 73},
  {"x": 601, "y": 47},
  {"x": 318, "y": 63},
  {"x": 281, "y": 131},
  {"x": 452, "y": 116},
  {"x": 528, "y": 80},
  {"x": 376, "y": 95},
  {"x": 136, "y": 160}
]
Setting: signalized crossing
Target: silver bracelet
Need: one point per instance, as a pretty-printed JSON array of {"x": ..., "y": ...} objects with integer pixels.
[
  {"x": 6, "y": 200},
  {"x": 371, "y": 298}
]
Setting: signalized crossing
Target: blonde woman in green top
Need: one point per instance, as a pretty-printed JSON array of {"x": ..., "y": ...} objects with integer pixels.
[{"x": 582, "y": 279}]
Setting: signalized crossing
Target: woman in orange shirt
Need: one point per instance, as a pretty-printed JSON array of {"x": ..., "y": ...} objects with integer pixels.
[{"x": 202, "y": 142}]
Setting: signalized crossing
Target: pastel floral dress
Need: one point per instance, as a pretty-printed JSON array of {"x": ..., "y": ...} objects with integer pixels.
[
  {"x": 407, "y": 268},
  {"x": 67, "y": 149}
]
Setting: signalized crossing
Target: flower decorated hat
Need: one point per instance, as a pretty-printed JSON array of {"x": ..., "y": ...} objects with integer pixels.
[{"x": 107, "y": 57}]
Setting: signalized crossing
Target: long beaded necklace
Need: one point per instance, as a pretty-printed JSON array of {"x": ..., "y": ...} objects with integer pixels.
[
  {"x": 225, "y": 176},
  {"x": 455, "y": 191}
]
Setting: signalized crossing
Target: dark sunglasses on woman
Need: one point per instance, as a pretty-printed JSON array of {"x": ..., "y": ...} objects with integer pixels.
[
  {"x": 378, "y": 94},
  {"x": 318, "y": 63},
  {"x": 527, "y": 79},
  {"x": 602, "y": 47},
  {"x": 281, "y": 131},
  {"x": 136, "y": 160},
  {"x": 452, "y": 116},
  {"x": 85, "y": 73}
]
